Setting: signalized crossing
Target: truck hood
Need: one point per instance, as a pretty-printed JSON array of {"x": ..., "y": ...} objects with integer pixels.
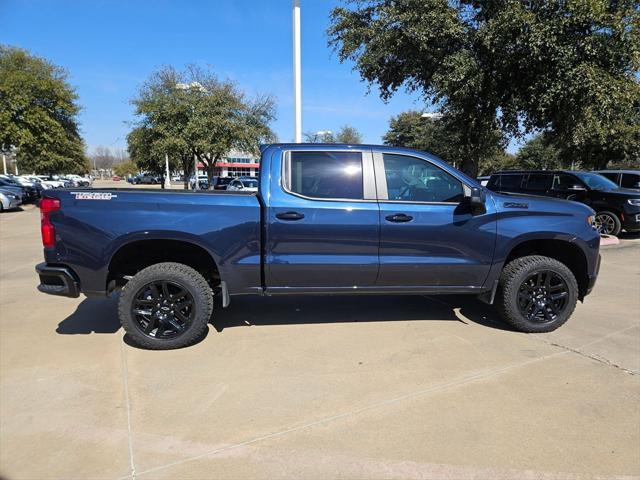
[{"x": 519, "y": 201}]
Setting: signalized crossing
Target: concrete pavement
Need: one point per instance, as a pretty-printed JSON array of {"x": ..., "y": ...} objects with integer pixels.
[{"x": 340, "y": 387}]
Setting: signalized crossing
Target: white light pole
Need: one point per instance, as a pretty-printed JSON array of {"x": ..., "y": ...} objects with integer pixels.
[
  {"x": 4, "y": 163},
  {"x": 297, "y": 76},
  {"x": 167, "y": 179}
]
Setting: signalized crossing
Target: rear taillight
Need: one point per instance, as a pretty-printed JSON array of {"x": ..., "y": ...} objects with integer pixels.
[{"x": 48, "y": 205}]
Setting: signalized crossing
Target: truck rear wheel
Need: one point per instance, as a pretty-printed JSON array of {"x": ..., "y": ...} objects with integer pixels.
[
  {"x": 536, "y": 294},
  {"x": 165, "y": 306}
]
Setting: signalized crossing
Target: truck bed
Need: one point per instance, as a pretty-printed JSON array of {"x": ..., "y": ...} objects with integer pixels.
[{"x": 93, "y": 224}]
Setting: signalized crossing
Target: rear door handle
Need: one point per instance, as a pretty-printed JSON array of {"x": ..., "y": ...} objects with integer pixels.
[
  {"x": 290, "y": 216},
  {"x": 399, "y": 218}
]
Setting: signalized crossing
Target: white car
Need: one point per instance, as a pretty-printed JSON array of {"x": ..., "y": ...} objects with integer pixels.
[
  {"x": 79, "y": 181},
  {"x": 46, "y": 185},
  {"x": 51, "y": 181},
  {"x": 8, "y": 200},
  {"x": 243, "y": 184}
]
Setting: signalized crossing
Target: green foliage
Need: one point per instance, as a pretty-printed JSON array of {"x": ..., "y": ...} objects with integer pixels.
[
  {"x": 38, "y": 114},
  {"x": 346, "y": 134},
  {"x": 409, "y": 129},
  {"x": 126, "y": 169},
  {"x": 192, "y": 114},
  {"x": 539, "y": 153},
  {"x": 500, "y": 69}
]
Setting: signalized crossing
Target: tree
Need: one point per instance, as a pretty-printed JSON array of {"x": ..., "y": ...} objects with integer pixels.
[
  {"x": 102, "y": 158},
  {"x": 506, "y": 68},
  {"x": 346, "y": 134},
  {"x": 539, "y": 153},
  {"x": 192, "y": 114},
  {"x": 324, "y": 136},
  {"x": 38, "y": 114},
  {"x": 125, "y": 169},
  {"x": 410, "y": 129}
]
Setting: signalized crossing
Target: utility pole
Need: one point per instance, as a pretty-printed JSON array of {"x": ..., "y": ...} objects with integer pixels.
[{"x": 297, "y": 76}]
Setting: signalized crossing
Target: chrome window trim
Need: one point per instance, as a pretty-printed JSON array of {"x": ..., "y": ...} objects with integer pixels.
[
  {"x": 368, "y": 178},
  {"x": 381, "y": 180}
]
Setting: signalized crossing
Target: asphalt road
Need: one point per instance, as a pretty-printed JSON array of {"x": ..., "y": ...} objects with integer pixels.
[{"x": 318, "y": 388}]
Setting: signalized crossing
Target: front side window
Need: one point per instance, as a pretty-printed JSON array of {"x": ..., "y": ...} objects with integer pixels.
[
  {"x": 564, "y": 181},
  {"x": 411, "y": 179},
  {"x": 336, "y": 175}
]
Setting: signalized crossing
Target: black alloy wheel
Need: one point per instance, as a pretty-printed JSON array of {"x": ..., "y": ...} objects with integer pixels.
[
  {"x": 163, "y": 309},
  {"x": 542, "y": 296}
]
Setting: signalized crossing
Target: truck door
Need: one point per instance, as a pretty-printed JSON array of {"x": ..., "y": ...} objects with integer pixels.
[
  {"x": 322, "y": 224},
  {"x": 428, "y": 236}
]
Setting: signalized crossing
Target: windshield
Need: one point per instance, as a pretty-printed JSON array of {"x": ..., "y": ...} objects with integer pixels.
[
  {"x": 595, "y": 181},
  {"x": 250, "y": 183}
]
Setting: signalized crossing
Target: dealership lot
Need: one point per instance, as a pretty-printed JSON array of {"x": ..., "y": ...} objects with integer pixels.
[{"x": 384, "y": 387}]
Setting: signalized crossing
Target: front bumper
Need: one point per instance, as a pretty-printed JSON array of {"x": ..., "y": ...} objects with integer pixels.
[
  {"x": 593, "y": 277},
  {"x": 57, "y": 280}
]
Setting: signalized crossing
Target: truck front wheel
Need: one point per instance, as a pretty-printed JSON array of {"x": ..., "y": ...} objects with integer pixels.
[
  {"x": 165, "y": 306},
  {"x": 536, "y": 294}
]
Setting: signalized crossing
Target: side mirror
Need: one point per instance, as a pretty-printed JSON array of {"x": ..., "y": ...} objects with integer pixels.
[{"x": 475, "y": 196}]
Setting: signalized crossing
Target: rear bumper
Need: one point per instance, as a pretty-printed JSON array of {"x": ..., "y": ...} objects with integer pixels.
[{"x": 57, "y": 280}]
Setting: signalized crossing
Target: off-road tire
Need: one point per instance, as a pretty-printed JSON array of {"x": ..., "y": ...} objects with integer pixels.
[
  {"x": 188, "y": 279},
  {"x": 512, "y": 277}
]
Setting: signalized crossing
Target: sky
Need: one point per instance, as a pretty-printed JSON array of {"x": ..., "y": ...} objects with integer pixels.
[{"x": 110, "y": 47}]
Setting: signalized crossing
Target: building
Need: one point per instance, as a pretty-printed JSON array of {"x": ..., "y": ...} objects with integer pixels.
[{"x": 236, "y": 164}]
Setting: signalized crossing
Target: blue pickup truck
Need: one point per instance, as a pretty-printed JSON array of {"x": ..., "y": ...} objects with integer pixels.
[{"x": 326, "y": 220}]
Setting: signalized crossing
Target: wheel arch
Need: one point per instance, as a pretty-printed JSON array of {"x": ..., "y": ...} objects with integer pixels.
[
  {"x": 563, "y": 250},
  {"x": 135, "y": 254}
]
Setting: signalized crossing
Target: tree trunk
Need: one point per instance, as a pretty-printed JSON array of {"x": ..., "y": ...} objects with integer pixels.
[
  {"x": 470, "y": 166},
  {"x": 186, "y": 169}
]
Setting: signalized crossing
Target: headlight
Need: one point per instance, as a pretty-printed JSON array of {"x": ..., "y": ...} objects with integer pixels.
[
  {"x": 590, "y": 220},
  {"x": 634, "y": 201}
]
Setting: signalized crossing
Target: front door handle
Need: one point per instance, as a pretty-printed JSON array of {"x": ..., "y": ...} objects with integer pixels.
[
  {"x": 399, "y": 218},
  {"x": 290, "y": 216}
]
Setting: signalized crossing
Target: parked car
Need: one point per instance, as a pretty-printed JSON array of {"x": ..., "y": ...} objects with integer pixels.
[
  {"x": 615, "y": 207},
  {"x": 116, "y": 178},
  {"x": 246, "y": 184},
  {"x": 79, "y": 181},
  {"x": 325, "y": 220},
  {"x": 28, "y": 194},
  {"x": 623, "y": 178},
  {"x": 15, "y": 189},
  {"x": 9, "y": 200},
  {"x": 203, "y": 182},
  {"x": 29, "y": 185},
  {"x": 483, "y": 180},
  {"x": 146, "y": 179},
  {"x": 44, "y": 184},
  {"x": 221, "y": 183},
  {"x": 56, "y": 182}
]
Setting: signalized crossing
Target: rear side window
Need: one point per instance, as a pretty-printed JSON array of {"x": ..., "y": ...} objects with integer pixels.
[
  {"x": 319, "y": 174},
  {"x": 508, "y": 182},
  {"x": 630, "y": 180},
  {"x": 538, "y": 182}
]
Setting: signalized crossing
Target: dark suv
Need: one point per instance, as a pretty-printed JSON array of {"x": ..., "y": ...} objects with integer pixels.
[
  {"x": 623, "y": 178},
  {"x": 615, "y": 207}
]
